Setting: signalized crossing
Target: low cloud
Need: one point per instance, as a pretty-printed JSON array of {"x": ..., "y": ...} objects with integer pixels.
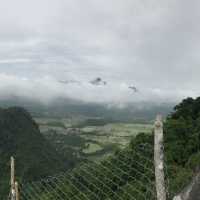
[{"x": 47, "y": 89}]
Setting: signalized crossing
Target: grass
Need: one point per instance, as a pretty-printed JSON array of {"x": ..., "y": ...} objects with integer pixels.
[
  {"x": 92, "y": 148},
  {"x": 93, "y": 141},
  {"x": 112, "y": 134}
]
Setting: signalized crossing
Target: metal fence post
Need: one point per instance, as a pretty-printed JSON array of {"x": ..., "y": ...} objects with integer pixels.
[{"x": 159, "y": 159}]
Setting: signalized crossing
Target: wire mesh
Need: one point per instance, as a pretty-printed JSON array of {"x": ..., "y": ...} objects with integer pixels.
[{"x": 126, "y": 175}]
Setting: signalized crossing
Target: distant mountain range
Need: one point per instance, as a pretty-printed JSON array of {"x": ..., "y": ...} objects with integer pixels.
[{"x": 63, "y": 107}]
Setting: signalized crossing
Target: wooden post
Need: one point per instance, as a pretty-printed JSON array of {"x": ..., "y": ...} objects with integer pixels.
[
  {"x": 16, "y": 191},
  {"x": 12, "y": 179},
  {"x": 159, "y": 159}
]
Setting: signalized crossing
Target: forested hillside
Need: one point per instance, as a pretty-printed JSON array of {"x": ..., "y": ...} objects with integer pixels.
[
  {"x": 182, "y": 143},
  {"x": 21, "y": 138}
]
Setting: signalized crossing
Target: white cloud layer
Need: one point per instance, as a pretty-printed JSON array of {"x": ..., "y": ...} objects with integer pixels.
[
  {"x": 48, "y": 89},
  {"x": 150, "y": 44}
]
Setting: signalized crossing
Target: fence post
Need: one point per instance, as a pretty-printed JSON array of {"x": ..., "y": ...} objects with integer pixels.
[
  {"x": 12, "y": 179},
  {"x": 16, "y": 191},
  {"x": 159, "y": 159}
]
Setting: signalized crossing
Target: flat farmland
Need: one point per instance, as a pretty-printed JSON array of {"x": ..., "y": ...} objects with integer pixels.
[{"x": 92, "y": 142}]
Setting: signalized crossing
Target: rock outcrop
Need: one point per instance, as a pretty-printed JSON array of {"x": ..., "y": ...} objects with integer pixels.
[{"x": 191, "y": 192}]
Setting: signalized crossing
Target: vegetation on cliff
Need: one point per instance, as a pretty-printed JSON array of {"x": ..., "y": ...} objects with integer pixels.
[{"x": 21, "y": 138}]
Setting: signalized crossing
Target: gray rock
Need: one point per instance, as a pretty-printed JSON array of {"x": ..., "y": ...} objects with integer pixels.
[{"x": 191, "y": 192}]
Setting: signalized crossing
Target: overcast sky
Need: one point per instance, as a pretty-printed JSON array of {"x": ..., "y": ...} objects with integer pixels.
[{"x": 151, "y": 44}]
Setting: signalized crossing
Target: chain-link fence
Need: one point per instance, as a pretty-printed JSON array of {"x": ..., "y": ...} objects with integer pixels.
[{"x": 128, "y": 174}]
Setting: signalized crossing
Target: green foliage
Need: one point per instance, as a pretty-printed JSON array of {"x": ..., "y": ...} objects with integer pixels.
[
  {"x": 114, "y": 177},
  {"x": 178, "y": 178},
  {"x": 21, "y": 138},
  {"x": 182, "y": 132},
  {"x": 55, "y": 124},
  {"x": 70, "y": 146},
  {"x": 94, "y": 122},
  {"x": 72, "y": 139},
  {"x": 194, "y": 162},
  {"x": 128, "y": 174},
  {"x": 182, "y": 143}
]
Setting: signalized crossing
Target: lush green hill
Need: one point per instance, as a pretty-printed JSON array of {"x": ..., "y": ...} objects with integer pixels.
[
  {"x": 182, "y": 143},
  {"x": 21, "y": 138}
]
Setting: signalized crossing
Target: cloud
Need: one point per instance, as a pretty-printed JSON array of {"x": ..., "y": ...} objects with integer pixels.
[
  {"x": 16, "y": 60},
  {"x": 152, "y": 45},
  {"x": 47, "y": 89}
]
